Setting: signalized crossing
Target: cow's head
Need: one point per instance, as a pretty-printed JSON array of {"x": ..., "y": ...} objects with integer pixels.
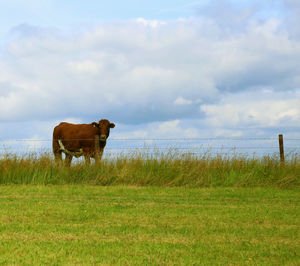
[{"x": 104, "y": 127}]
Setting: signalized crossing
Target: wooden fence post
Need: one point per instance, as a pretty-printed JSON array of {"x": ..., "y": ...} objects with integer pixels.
[{"x": 281, "y": 150}]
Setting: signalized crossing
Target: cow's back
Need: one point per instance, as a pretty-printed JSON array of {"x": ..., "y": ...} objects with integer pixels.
[{"x": 75, "y": 136}]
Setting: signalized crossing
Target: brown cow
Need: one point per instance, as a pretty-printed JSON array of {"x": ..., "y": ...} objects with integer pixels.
[{"x": 76, "y": 140}]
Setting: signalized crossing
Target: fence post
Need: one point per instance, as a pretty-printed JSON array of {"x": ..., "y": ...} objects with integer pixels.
[{"x": 281, "y": 150}]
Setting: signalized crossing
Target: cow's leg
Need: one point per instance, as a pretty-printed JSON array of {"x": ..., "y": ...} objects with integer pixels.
[
  {"x": 68, "y": 160},
  {"x": 58, "y": 158},
  {"x": 87, "y": 158},
  {"x": 57, "y": 153},
  {"x": 97, "y": 149},
  {"x": 98, "y": 156}
]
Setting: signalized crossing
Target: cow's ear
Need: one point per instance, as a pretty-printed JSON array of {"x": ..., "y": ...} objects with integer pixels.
[
  {"x": 112, "y": 125},
  {"x": 95, "y": 124}
]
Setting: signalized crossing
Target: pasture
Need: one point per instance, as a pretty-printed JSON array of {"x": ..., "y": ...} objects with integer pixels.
[
  {"x": 74, "y": 224},
  {"x": 162, "y": 210}
]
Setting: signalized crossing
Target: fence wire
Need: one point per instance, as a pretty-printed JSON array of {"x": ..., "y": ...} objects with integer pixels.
[
  {"x": 154, "y": 146},
  {"x": 159, "y": 139}
]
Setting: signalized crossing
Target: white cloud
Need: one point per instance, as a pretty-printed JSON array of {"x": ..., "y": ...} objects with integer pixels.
[
  {"x": 150, "y": 23},
  {"x": 255, "y": 110},
  {"x": 85, "y": 67},
  {"x": 134, "y": 74},
  {"x": 72, "y": 120},
  {"x": 182, "y": 101},
  {"x": 152, "y": 74},
  {"x": 167, "y": 130}
]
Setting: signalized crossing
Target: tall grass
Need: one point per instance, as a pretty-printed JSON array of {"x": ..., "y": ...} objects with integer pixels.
[{"x": 141, "y": 169}]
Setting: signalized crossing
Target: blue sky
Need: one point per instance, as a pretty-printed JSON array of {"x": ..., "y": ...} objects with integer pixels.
[
  {"x": 159, "y": 69},
  {"x": 65, "y": 14}
]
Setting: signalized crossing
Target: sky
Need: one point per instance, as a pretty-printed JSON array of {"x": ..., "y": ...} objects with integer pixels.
[{"x": 157, "y": 69}]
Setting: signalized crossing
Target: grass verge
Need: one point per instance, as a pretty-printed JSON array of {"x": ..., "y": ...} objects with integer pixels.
[{"x": 160, "y": 170}]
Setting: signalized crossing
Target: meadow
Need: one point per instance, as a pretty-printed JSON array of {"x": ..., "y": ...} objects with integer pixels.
[
  {"x": 150, "y": 210},
  {"x": 125, "y": 225}
]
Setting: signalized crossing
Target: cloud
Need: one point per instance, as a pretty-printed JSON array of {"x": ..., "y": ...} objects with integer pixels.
[
  {"x": 150, "y": 23},
  {"x": 168, "y": 130},
  {"x": 85, "y": 67},
  {"x": 182, "y": 101},
  {"x": 135, "y": 73},
  {"x": 209, "y": 75},
  {"x": 227, "y": 14},
  {"x": 255, "y": 110},
  {"x": 293, "y": 18}
]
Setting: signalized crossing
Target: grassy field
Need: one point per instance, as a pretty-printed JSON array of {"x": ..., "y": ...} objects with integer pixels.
[
  {"x": 157, "y": 210},
  {"x": 72, "y": 224},
  {"x": 169, "y": 170}
]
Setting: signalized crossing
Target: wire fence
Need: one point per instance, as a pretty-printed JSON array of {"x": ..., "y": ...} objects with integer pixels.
[{"x": 251, "y": 146}]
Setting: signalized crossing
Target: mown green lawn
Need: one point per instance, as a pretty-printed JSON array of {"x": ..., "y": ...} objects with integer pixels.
[{"x": 149, "y": 225}]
